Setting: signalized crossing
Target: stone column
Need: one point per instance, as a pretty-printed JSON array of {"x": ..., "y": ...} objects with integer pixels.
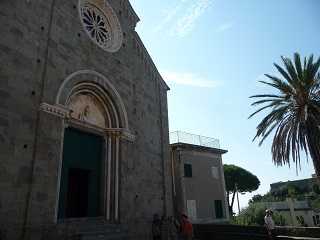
[{"x": 108, "y": 177}]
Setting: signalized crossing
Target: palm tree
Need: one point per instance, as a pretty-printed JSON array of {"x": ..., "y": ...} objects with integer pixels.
[{"x": 294, "y": 112}]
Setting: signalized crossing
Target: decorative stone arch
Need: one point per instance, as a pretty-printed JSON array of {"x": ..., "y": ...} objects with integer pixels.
[
  {"x": 87, "y": 101},
  {"x": 97, "y": 82}
]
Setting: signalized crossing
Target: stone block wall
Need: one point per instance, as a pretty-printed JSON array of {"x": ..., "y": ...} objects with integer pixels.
[{"x": 42, "y": 43}]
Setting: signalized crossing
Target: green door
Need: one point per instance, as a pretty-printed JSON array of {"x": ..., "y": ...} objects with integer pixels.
[
  {"x": 218, "y": 209},
  {"x": 80, "y": 185}
]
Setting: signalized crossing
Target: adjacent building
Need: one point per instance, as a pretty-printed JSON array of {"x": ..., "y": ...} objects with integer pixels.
[
  {"x": 294, "y": 212},
  {"x": 198, "y": 178},
  {"x": 305, "y": 185},
  {"x": 83, "y": 123}
]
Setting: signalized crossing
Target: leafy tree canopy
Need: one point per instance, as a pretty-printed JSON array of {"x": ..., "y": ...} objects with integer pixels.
[
  {"x": 245, "y": 180},
  {"x": 256, "y": 198},
  {"x": 254, "y": 214},
  {"x": 316, "y": 188},
  {"x": 291, "y": 191}
]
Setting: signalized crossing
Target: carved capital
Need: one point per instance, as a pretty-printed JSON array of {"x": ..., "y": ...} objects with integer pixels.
[
  {"x": 115, "y": 132},
  {"x": 120, "y": 132},
  {"x": 127, "y": 135}
]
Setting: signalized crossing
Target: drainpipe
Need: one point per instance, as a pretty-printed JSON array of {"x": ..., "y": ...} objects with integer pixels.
[
  {"x": 182, "y": 186},
  {"x": 36, "y": 140},
  {"x": 162, "y": 154},
  {"x": 173, "y": 164},
  {"x": 226, "y": 198}
]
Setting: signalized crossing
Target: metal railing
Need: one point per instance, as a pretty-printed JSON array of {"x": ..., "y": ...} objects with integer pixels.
[{"x": 188, "y": 138}]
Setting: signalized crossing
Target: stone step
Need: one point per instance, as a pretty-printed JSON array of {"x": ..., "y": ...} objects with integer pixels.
[
  {"x": 94, "y": 230},
  {"x": 103, "y": 236},
  {"x": 97, "y": 228},
  {"x": 92, "y": 226}
]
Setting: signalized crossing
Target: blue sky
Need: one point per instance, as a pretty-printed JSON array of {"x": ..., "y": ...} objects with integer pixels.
[{"x": 212, "y": 53}]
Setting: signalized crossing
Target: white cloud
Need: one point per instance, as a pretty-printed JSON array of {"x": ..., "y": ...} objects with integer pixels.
[
  {"x": 180, "y": 19},
  {"x": 187, "y": 22},
  {"x": 189, "y": 79},
  {"x": 224, "y": 27},
  {"x": 169, "y": 15}
]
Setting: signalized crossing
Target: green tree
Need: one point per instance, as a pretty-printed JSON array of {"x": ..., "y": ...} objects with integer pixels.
[
  {"x": 256, "y": 198},
  {"x": 254, "y": 215},
  {"x": 292, "y": 191},
  {"x": 316, "y": 188},
  {"x": 294, "y": 111},
  {"x": 238, "y": 179}
]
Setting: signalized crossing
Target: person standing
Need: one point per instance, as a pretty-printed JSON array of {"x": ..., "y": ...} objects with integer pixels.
[
  {"x": 186, "y": 228},
  {"x": 173, "y": 228},
  {"x": 156, "y": 227},
  {"x": 269, "y": 223}
]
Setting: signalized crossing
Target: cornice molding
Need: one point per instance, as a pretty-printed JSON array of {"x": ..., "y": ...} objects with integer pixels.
[
  {"x": 65, "y": 114},
  {"x": 57, "y": 110}
]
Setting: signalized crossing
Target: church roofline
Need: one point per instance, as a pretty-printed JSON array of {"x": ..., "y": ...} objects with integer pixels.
[
  {"x": 137, "y": 19},
  {"x": 148, "y": 58}
]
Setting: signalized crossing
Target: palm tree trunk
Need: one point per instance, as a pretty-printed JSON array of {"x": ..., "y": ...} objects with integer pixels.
[{"x": 314, "y": 149}]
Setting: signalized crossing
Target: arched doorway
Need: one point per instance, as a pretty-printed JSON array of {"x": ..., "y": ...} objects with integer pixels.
[
  {"x": 95, "y": 123},
  {"x": 80, "y": 189},
  {"x": 82, "y": 180}
]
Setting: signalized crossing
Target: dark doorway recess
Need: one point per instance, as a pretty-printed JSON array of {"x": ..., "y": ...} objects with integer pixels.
[{"x": 80, "y": 184}]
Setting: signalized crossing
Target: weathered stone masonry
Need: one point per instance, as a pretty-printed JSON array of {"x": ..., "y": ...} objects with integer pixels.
[{"x": 42, "y": 44}]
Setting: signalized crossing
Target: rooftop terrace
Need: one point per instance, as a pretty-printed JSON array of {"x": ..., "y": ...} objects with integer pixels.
[{"x": 188, "y": 138}]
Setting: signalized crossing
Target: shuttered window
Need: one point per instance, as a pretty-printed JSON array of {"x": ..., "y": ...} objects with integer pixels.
[
  {"x": 218, "y": 209},
  {"x": 187, "y": 170},
  {"x": 192, "y": 209},
  {"x": 215, "y": 172}
]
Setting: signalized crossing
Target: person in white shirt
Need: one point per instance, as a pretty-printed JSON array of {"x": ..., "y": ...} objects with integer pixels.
[{"x": 269, "y": 223}]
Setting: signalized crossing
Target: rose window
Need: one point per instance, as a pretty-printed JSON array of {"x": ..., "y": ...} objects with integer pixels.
[
  {"x": 101, "y": 24},
  {"x": 96, "y": 25}
]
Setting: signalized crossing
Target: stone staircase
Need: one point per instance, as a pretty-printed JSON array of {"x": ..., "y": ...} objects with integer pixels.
[{"x": 92, "y": 230}]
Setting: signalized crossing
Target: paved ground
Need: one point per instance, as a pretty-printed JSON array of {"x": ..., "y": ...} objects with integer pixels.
[{"x": 297, "y": 238}]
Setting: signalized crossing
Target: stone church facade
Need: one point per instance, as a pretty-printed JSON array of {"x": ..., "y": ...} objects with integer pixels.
[{"x": 83, "y": 123}]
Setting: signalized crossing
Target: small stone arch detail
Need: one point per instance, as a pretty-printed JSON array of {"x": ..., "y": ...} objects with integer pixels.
[{"x": 89, "y": 79}]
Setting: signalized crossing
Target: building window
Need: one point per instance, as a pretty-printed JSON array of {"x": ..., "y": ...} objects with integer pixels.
[
  {"x": 215, "y": 172},
  {"x": 96, "y": 24},
  {"x": 192, "y": 209},
  {"x": 187, "y": 170},
  {"x": 101, "y": 24},
  {"x": 300, "y": 220},
  {"x": 218, "y": 209}
]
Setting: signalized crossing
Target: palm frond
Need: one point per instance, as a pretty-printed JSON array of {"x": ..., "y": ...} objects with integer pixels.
[
  {"x": 266, "y": 95},
  {"x": 291, "y": 70},
  {"x": 264, "y": 101},
  {"x": 294, "y": 115},
  {"x": 265, "y": 107},
  {"x": 298, "y": 66}
]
